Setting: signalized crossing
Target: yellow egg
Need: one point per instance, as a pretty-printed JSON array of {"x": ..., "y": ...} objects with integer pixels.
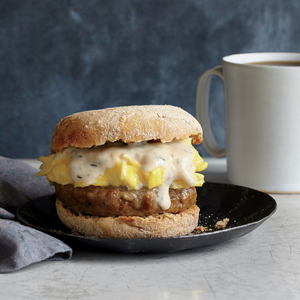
[
  {"x": 156, "y": 178},
  {"x": 126, "y": 171},
  {"x": 128, "y": 175},
  {"x": 111, "y": 176}
]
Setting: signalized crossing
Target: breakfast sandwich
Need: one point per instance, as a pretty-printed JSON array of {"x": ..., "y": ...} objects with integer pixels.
[{"x": 126, "y": 172}]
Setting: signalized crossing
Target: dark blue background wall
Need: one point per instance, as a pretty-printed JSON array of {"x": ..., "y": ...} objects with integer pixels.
[{"x": 60, "y": 57}]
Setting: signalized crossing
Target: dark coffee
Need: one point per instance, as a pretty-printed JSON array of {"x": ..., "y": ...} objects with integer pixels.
[{"x": 277, "y": 63}]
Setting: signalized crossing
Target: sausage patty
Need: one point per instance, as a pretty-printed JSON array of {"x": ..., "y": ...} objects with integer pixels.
[{"x": 120, "y": 201}]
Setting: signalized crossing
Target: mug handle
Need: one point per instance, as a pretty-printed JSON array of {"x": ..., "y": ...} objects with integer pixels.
[{"x": 202, "y": 111}]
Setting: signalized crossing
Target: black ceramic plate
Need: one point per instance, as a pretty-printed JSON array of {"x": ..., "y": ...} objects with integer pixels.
[{"x": 246, "y": 209}]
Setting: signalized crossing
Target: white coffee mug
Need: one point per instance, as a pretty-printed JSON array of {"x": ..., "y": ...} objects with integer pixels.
[{"x": 262, "y": 119}]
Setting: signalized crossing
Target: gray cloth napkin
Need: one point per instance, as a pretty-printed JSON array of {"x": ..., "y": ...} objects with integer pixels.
[{"x": 21, "y": 245}]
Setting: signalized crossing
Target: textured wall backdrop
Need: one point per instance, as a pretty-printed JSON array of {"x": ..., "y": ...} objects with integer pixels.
[{"x": 60, "y": 57}]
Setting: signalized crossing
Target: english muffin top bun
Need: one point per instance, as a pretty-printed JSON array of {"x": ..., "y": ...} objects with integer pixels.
[
  {"x": 128, "y": 124},
  {"x": 126, "y": 172}
]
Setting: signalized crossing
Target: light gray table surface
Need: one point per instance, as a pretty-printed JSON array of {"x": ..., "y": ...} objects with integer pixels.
[{"x": 264, "y": 264}]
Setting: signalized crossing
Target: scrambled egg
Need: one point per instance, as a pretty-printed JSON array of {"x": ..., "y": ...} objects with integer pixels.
[{"x": 124, "y": 172}]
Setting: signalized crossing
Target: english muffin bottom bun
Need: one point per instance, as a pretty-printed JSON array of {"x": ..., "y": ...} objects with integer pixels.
[{"x": 126, "y": 172}]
